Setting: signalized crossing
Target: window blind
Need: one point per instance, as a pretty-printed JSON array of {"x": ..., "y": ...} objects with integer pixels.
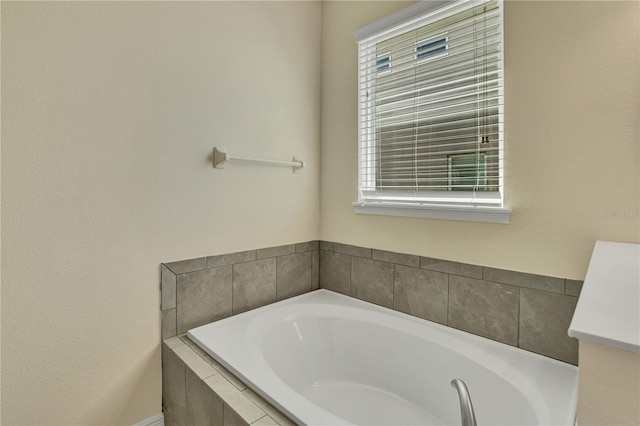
[{"x": 431, "y": 109}]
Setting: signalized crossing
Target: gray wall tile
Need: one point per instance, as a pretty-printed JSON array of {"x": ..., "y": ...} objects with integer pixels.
[
  {"x": 521, "y": 279},
  {"x": 454, "y": 268},
  {"x": 231, "y": 378},
  {"x": 420, "y": 286},
  {"x": 194, "y": 347},
  {"x": 421, "y": 293},
  {"x": 173, "y": 342},
  {"x": 326, "y": 245},
  {"x": 266, "y": 421},
  {"x": 215, "y": 364},
  {"x": 189, "y": 265},
  {"x": 397, "y": 258},
  {"x": 307, "y": 246},
  {"x": 168, "y": 328},
  {"x": 167, "y": 288},
  {"x": 203, "y": 297},
  {"x": 271, "y": 411},
  {"x": 293, "y": 275},
  {"x": 254, "y": 284},
  {"x": 173, "y": 385},
  {"x": 335, "y": 272},
  {"x": 231, "y": 418},
  {"x": 246, "y": 410},
  {"x": 573, "y": 287},
  {"x": 544, "y": 321},
  {"x": 372, "y": 281},
  {"x": 195, "y": 362},
  {"x": 315, "y": 270},
  {"x": 268, "y": 252},
  {"x": 231, "y": 258},
  {"x": 484, "y": 308},
  {"x": 195, "y": 394},
  {"x": 203, "y": 406},
  {"x": 168, "y": 420},
  {"x": 352, "y": 250}
]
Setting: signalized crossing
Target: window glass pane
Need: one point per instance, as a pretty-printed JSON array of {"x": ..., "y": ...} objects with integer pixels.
[
  {"x": 441, "y": 97},
  {"x": 467, "y": 172},
  {"x": 431, "y": 48},
  {"x": 431, "y": 109},
  {"x": 383, "y": 63}
]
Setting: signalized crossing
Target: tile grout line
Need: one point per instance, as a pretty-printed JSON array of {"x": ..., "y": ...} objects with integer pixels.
[
  {"x": 447, "y": 305},
  {"x": 448, "y": 298},
  {"x": 350, "y": 273},
  {"x": 393, "y": 285},
  {"x": 232, "y": 286},
  {"x": 518, "y": 320},
  {"x": 276, "y": 277}
]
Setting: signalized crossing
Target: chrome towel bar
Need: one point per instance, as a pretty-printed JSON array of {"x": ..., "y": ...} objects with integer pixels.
[{"x": 220, "y": 159}]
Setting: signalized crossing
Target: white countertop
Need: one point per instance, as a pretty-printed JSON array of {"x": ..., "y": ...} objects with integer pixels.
[{"x": 608, "y": 310}]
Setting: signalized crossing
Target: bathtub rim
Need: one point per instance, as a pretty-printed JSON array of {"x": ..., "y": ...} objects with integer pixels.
[{"x": 333, "y": 298}]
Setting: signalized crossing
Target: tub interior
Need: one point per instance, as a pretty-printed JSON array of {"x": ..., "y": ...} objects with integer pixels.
[
  {"x": 368, "y": 374},
  {"x": 324, "y": 358}
]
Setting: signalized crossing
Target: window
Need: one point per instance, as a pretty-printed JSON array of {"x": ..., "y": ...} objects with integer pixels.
[
  {"x": 467, "y": 172},
  {"x": 431, "y": 49},
  {"x": 431, "y": 112},
  {"x": 383, "y": 63}
]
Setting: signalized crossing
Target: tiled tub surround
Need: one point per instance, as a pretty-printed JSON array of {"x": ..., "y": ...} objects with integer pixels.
[
  {"x": 199, "y": 291},
  {"x": 199, "y": 391},
  {"x": 528, "y": 311},
  {"x": 196, "y": 389},
  {"x": 330, "y": 359},
  {"x": 531, "y": 312}
]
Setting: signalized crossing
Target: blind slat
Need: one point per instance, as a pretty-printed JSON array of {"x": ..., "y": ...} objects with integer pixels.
[
  {"x": 431, "y": 106},
  {"x": 457, "y": 45}
]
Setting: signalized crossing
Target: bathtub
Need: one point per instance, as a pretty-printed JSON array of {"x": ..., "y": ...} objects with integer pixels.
[{"x": 327, "y": 359}]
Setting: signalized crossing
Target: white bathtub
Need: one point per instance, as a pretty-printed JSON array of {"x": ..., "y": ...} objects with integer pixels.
[{"x": 327, "y": 359}]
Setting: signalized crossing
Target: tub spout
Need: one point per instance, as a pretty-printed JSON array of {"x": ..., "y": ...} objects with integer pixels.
[{"x": 466, "y": 407}]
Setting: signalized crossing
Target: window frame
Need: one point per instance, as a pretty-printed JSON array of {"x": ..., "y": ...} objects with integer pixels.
[{"x": 452, "y": 205}]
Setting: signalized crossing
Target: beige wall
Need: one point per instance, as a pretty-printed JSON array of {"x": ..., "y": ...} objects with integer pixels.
[
  {"x": 609, "y": 386},
  {"x": 572, "y": 84},
  {"x": 109, "y": 114}
]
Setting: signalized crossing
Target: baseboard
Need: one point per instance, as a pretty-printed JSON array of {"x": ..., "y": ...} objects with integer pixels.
[{"x": 157, "y": 420}]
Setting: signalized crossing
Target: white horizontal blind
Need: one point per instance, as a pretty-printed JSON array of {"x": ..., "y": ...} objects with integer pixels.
[{"x": 431, "y": 109}]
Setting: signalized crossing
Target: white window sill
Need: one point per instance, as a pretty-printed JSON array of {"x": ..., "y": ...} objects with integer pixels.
[{"x": 434, "y": 211}]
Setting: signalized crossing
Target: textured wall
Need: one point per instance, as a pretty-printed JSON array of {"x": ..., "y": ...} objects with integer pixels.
[
  {"x": 110, "y": 111},
  {"x": 572, "y": 88}
]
